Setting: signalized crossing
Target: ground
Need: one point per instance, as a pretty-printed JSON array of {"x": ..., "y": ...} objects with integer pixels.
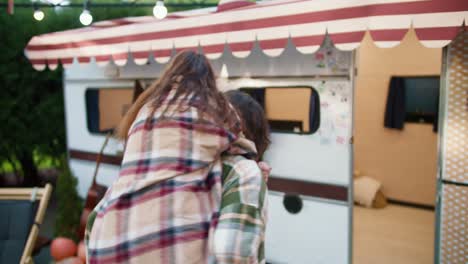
[{"x": 395, "y": 234}]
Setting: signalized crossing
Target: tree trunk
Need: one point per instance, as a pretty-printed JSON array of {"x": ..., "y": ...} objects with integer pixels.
[
  {"x": 13, "y": 165},
  {"x": 30, "y": 173}
]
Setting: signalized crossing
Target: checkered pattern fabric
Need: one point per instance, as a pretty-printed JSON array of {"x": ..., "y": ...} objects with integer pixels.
[
  {"x": 239, "y": 235},
  {"x": 165, "y": 206}
]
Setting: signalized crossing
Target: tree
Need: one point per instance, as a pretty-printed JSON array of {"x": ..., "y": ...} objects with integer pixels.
[
  {"x": 31, "y": 106},
  {"x": 31, "y": 102}
]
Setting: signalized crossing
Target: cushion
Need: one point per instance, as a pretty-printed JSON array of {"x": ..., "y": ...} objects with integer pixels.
[
  {"x": 16, "y": 219},
  {"x": 365, "y": 189},
  {"x": 380, "y": 201}
]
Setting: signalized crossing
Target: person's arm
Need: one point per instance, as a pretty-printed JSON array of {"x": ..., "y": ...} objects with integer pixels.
[
  {"x": 239, "y": 235},
  {"x": 266, "y": 170}
]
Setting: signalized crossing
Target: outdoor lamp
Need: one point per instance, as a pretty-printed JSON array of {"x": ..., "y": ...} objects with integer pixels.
[
  {"x": 86, "y": 18},
  {"x": 38, "y": 14},
  {"x": 159, "y": 10}
]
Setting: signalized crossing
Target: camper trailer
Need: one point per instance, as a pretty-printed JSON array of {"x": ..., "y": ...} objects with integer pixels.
[{"x": 322, "y": 73}]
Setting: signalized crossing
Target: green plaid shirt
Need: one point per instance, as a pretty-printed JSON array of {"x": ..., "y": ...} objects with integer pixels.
[{"x": 240, "y": 234}]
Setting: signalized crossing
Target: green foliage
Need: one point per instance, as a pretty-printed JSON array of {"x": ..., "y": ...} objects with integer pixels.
[
  {"x": 32, "y": 115},
  {"x": 32, "y": 107},
  {"x": 42, "y": 162},
  {"x": 31, "y": 102},
  {"x": 69, "y": 204}
]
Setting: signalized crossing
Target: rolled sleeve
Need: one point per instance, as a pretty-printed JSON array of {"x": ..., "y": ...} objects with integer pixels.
[{"x": 239, "y": 235}]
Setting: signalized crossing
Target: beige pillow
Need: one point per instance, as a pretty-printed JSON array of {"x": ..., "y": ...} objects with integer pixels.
[
  {"x": 365, "y": 189},
  {"x": 380, "y": 201}
]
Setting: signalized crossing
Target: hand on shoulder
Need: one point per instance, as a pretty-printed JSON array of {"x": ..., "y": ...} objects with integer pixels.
[{"x": 265, "y": 168}]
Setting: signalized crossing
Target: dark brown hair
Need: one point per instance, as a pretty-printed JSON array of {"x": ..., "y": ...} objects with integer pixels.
[
  {"x": 190, "y": 74},
  {"x": 253, "y": 120}
]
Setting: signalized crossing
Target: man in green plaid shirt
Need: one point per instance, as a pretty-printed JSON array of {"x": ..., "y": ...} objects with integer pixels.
[{"x": 240, "y": 234}]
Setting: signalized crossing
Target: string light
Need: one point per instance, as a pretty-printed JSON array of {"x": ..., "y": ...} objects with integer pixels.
[
  {"x": 38, "y": 14},
  {"x": 86, "y": 18},
  {"x": 159, "y": 10}
]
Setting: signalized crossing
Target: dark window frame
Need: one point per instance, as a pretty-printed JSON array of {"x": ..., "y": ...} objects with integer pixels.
[
  {"x": 313, "y": 90},
  {"x": 425, "y": 118},
  {"x": 87, "y": 108}
]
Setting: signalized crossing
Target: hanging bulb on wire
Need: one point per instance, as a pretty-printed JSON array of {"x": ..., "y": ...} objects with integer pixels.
[
  {"x": 159, "y": 10},
  {"x": 38, "y": 14},
  {"x": 86, "y": 18}
]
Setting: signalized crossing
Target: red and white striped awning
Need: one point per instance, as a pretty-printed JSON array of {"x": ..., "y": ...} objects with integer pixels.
[{"x": 238, "y": 24}]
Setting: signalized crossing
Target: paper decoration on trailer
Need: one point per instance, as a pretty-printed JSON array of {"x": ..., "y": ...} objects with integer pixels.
[{"x": 335, "y": 123}]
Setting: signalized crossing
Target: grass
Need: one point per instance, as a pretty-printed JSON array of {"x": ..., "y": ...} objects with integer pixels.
[{"x": 42, "y": 162}]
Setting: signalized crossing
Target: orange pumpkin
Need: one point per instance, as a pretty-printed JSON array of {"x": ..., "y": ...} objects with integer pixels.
[{"x": 62, "y": 248}]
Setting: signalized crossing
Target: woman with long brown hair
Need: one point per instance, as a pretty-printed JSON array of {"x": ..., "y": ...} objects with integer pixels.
[
  {"x": 166, "y": 201},
  {"x": 188, "y": 76},
  {"x": 240, "y": 233}
]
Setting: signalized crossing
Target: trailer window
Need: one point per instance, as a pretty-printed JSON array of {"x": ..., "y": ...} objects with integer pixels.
[
  {"x": 105, "y": 107},
  {"x": 289, "y": 109},
  {"x": 421, "y": 99}
]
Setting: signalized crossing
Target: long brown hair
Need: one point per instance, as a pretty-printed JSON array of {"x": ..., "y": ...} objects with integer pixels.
[
  {"x": 253, "y": 120},
  {"x": 189, "y": 73}
]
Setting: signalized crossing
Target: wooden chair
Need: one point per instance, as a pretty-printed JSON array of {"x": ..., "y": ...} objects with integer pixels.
[{"x": 22, "y": 211}]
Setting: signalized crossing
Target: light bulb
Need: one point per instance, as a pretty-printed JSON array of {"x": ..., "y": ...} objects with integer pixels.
[
  {"x": 224, "y": 72},
  {"x": 86, "y": 18},
  {"x": 38, "y": 15},
  {"x": 159, "y": 10}
]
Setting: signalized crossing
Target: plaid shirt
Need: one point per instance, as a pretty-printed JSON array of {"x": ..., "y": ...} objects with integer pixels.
[
  {"x": 240, "y": 233},
  {"x": 165, "y": 205}
]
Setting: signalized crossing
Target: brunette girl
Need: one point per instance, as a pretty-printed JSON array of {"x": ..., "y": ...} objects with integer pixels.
[
  {"x": 240, "y": 234},
  {"x": 166, "y": 201}
]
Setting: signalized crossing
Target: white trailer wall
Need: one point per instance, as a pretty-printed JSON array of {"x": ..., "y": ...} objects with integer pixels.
[{"x": 321, "y": 232}]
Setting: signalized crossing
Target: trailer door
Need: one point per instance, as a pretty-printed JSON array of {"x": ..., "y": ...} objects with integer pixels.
[{"x": 310, "y": 201}]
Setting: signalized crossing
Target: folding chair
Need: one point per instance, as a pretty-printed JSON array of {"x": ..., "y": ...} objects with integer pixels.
[{"x": 21, "y": 214}]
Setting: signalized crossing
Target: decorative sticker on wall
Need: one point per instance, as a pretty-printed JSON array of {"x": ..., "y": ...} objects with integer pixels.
[
  {"x": 335, "y": 122},
  {"x": 329, "y": 60},
  {"x": 340, "y": 140},
  {"x": 327, "y": 128},
  {"x": 332, "y": 59},
  {"x": 320, "y": 57}
]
